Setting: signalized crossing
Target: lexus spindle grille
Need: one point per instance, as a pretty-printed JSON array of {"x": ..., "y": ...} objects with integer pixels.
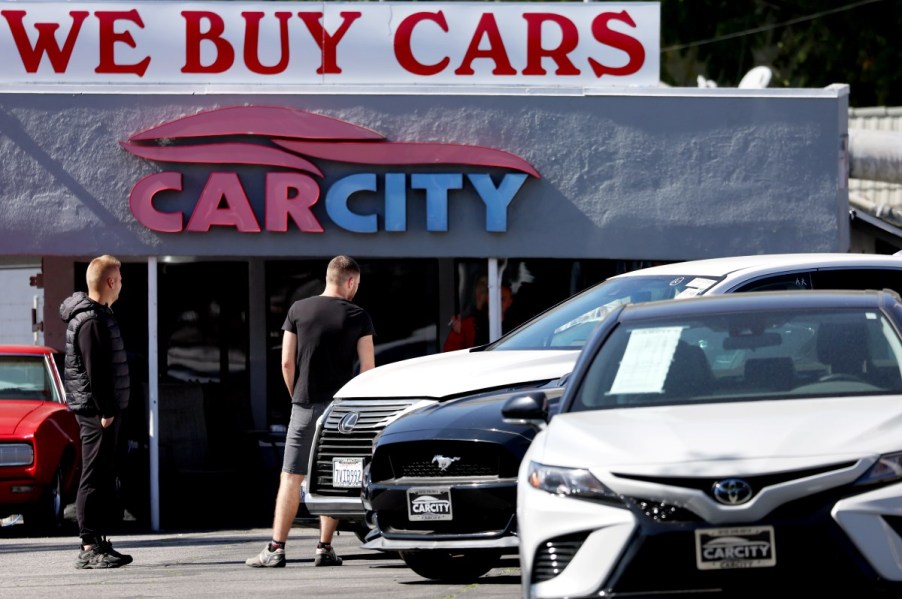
[{"x": 372, "y": 416}]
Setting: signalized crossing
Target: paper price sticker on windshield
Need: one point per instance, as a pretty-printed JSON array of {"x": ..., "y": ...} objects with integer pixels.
[{"x": 646, "y": 360}]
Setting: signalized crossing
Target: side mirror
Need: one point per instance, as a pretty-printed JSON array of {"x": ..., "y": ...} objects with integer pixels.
[{"x": 529, "y": 408}]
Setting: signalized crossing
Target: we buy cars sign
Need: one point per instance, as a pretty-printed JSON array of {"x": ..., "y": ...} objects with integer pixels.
[{"x": 202, "y": 45}]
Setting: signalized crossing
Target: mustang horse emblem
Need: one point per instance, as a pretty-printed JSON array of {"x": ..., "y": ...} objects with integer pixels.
[{"x": 443, "y": 462}]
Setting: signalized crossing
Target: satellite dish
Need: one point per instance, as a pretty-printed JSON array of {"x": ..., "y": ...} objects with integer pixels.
[{"x": 757, "y": 78}]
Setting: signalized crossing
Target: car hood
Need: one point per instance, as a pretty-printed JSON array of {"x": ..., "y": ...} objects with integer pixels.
[
  {"x": 13, "y": 412},
  {"x": 454, "y": 373},
  {"x": 464, "y": 418},
  {"x": 727, "y": 439}
]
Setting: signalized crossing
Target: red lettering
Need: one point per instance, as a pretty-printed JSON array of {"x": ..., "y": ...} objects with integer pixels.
[
  {"x": 280, "y": 203},
  {"x": 46, "y": 43},
  {"x": 237, "y": 211},
  {"x": 535, "y": 51},
  {"x": 615, "y": 39},
  {"x": 403, "y": 51},
  {"x": 225, "y": 54},
  {"x": 487, "y": 28},
  {"x": 327, "y": 42},
  {"x": 140, "y": 202},
  {"x": 252, "y": 43},
  {"x": 108, "y": 37}
]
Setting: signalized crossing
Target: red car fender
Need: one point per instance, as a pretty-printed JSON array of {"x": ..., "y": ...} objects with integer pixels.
[{"x": 55, "y": 436}]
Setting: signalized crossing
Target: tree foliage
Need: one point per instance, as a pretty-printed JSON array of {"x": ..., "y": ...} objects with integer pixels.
[{"x": 806, "y": 43}]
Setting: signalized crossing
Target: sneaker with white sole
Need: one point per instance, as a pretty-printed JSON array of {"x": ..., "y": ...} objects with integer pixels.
[
  {"x": 325, "y": 556},
  {"x": 267, "y": 559}
]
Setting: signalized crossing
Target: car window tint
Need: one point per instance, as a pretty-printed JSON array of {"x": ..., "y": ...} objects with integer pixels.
[
  {"x": 744, "y": 357},
  {"x": 24, "y": 377},
  {"x": 858, "y": 278},
  {"x": 783, "y": 282}
]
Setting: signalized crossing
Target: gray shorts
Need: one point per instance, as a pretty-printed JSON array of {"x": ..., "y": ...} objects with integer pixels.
[{"x": 299, "y": 440}]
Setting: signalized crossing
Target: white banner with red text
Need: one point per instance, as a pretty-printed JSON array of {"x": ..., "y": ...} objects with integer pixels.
[{"x": 526, "y": 46}]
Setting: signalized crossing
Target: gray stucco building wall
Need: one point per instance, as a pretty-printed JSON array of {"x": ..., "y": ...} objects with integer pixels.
[{"x": 647, "y": 174}]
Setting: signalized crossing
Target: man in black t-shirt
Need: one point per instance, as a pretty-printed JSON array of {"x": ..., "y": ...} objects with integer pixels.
[{"x": 323, "y": 336}]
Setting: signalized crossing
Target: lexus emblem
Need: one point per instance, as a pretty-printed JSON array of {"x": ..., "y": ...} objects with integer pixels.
[
  {"x": 348, "y": 422},
  {"x": 732, "y": 491},
  {"x": 443, "y": 462}
]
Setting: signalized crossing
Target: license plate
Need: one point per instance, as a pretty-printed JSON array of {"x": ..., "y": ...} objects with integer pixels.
[
  {"x": 734, "y": 548},
  {"x": 429, "y": 504},
  {"x": 347, "y": 473}
]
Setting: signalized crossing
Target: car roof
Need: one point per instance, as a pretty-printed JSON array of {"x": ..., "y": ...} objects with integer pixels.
[
  {"x": 759, "y": 301},
  {"x": 14, "y": 350},
  {"x": 721, "y": 267}
]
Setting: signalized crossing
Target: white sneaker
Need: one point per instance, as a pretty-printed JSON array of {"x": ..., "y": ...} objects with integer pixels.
[{"x": 268, "y": 559}]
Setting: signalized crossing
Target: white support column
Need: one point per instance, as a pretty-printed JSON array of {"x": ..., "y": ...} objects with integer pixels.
[
  {"x": 494, "y": 300},
  {"x": 153, "y": 394}
]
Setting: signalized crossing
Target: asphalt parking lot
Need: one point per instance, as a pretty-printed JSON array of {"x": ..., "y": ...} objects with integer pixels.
[{"x": 211, "y": 564}]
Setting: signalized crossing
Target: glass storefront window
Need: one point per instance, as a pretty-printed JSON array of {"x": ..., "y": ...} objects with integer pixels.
[{"x": 203, "y": 322}]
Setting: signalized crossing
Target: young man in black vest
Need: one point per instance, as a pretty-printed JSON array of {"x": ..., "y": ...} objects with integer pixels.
[{"x": 97, "y": 389}]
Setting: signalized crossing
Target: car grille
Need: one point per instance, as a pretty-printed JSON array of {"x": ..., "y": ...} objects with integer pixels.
[
  {"x": 480, "y": 510},
  {"x": 444, "y": 459},
  {"x": 812, "y": 553},
  {"x": 554, "y": 555},
  {"x": 481, "y": 477},
  {"x": 373, "y": 416}
]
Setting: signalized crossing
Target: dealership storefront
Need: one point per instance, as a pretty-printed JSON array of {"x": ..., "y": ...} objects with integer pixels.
[{"x": 527, "y": 141}]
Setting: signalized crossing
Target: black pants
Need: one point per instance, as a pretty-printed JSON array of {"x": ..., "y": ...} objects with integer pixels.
[{"x": 95, "y": 503}]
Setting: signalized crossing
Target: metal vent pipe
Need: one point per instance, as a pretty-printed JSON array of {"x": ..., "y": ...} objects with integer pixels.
[{"x": 875, "y": 155}]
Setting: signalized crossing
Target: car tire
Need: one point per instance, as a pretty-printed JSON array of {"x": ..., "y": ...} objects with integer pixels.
[
  {"x": 46, "y": 516},
  {"x": 448, "y": 566}
]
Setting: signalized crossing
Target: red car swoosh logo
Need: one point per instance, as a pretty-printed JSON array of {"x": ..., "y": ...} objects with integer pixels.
[{"x": 295, "y": 137}]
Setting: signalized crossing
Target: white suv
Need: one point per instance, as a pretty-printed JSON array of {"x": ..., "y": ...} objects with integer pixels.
[{"x": 542, "y": 352}]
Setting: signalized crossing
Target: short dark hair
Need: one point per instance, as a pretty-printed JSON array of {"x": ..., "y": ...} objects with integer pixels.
[{"x": 340, "y": 269}]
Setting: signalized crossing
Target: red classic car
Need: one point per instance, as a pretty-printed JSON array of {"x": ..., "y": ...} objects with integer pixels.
[{"x": 40, "y": 451}]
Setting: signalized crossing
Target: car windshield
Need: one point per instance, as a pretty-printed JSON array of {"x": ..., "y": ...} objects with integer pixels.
[
  {"x": 743, "y": 357},
  {"x": 24, "y": 377},
  {"x": 570, "y": 323}
]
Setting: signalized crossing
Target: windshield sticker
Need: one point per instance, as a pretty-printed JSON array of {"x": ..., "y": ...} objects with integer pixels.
[
  {"x": 646, "y": 361},
  {"x": 695, "y": 287}
]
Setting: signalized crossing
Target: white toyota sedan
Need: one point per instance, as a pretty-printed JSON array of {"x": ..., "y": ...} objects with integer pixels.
[{"x": 721, "y": 446}]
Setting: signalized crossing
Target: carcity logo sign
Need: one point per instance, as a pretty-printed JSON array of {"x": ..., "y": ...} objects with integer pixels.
[{"x": 288, "y": 139}]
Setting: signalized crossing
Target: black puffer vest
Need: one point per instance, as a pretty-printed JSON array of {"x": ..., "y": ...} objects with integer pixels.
[{"x": 77, "y": 310}]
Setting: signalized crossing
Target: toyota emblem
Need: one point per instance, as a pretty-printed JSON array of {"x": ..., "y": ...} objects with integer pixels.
[
  {"x": 732, "y": 491},
  {"x": 348, "y": 422}
]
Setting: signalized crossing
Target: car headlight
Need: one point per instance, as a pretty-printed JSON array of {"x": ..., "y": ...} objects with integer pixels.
[
  {"x": 572, "y": 482},
  {"x": 888, "y": 468},
  {"x": 16, "y": 454}
]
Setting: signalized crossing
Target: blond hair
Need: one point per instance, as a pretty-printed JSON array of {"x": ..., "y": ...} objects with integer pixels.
[
  {"x": 99, "y": 269},
  {"x": 340, "y": 269}
]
